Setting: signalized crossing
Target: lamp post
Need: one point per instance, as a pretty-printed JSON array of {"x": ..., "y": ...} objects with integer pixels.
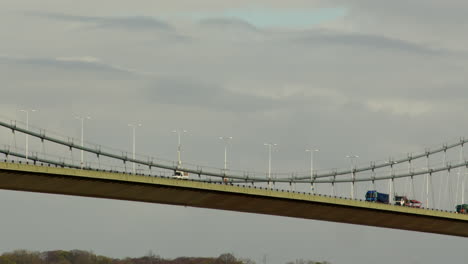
[
  {"x": 226, "y": 142},
  {"x": 134, "y": 126},
  {"x": 270, "y": 145},
  {"x": 312, "y": 185},
  {"x": 463, "y": 189},
  {"x": 82, "y": 119},
  {"x": 391, "y": 181},
  {"x": 428, "y": 176},
  {"x": 27, "y": 128},
  {"x": 353, "y": 175},
  {"x": 179, "y": 147}
]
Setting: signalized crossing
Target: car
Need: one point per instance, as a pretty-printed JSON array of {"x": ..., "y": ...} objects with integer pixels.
[{"x": 181, "y": 175}]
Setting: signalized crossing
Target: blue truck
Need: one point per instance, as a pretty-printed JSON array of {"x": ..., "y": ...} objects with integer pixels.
[{"x": 377, "y": 197}]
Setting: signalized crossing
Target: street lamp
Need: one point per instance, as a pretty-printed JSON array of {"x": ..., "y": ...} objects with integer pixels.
[
  {"x": 270, "y": 145},
  {"x": 391, "y": 182},
  {"x": 82, "y": 119},
  {"x": 27, "y": 128},
  {"x": 179, "y": 147},
  {"x": 133, "y": 126},
  {"x": 353, "y": 175},
  {"x": 463, "y": 189},
  {"x": 226, "y": 141},
  {"x": 312, "y": 184}
]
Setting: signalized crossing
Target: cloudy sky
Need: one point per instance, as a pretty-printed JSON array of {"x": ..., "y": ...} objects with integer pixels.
[{"x": 376, "y": 79}]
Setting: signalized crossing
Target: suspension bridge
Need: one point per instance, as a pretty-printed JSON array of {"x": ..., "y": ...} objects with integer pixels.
[{"x": 310, "y": 195}]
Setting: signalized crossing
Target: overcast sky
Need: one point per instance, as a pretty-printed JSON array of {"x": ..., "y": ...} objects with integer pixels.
[{"x": 376, "y": 79}]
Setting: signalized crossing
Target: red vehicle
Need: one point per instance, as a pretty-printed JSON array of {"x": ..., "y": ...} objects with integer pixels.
[
  {"x": 404, "y": 201},
  {"x": 415, "y": 204}
]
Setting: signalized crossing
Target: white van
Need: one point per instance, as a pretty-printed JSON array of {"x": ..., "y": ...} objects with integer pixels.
[{"x": 181, "y": 175}]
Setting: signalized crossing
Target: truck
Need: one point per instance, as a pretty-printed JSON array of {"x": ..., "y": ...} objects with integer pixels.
[
  {"x": 404, "y": 201},
  {"x": 401, "y": 200},
  {"x": 462, "y": 208},
  {"x": 377, "y": 197}
]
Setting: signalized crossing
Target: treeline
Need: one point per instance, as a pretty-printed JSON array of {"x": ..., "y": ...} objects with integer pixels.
[
  {"x": 86, "y": 257},
  {"x": 303, "y": 261}
]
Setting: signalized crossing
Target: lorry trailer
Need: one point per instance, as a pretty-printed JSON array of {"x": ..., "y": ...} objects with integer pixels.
[{"x": 377, "y": 197}]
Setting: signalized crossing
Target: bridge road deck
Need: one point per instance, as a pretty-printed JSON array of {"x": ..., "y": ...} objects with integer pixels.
[{"x": 99, "y": 184}]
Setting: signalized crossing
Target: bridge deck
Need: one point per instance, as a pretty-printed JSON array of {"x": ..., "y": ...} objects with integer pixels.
[{"x": 44, "y": 179}]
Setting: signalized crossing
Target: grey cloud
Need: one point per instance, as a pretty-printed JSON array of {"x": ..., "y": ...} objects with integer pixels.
[
  {"x": 435, "y": 22},
  {"x": 69, "y": 64},
  {"x": 449, "y": 92},
  {"x": 183, "y": 91},
  {"x": 450, "y": 11},
  {"x": 125, "y": 23},
  {"x": 364, "y": 40},
  {"x": 228, "y": 23},
  {"x": 45, "y": 80},
  {"x": 190, "y": 92}
]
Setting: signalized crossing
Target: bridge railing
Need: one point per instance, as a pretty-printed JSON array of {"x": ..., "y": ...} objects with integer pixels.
[
  {"x": 326, "y": 177},
  {"x": 105, "y": 158}
]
